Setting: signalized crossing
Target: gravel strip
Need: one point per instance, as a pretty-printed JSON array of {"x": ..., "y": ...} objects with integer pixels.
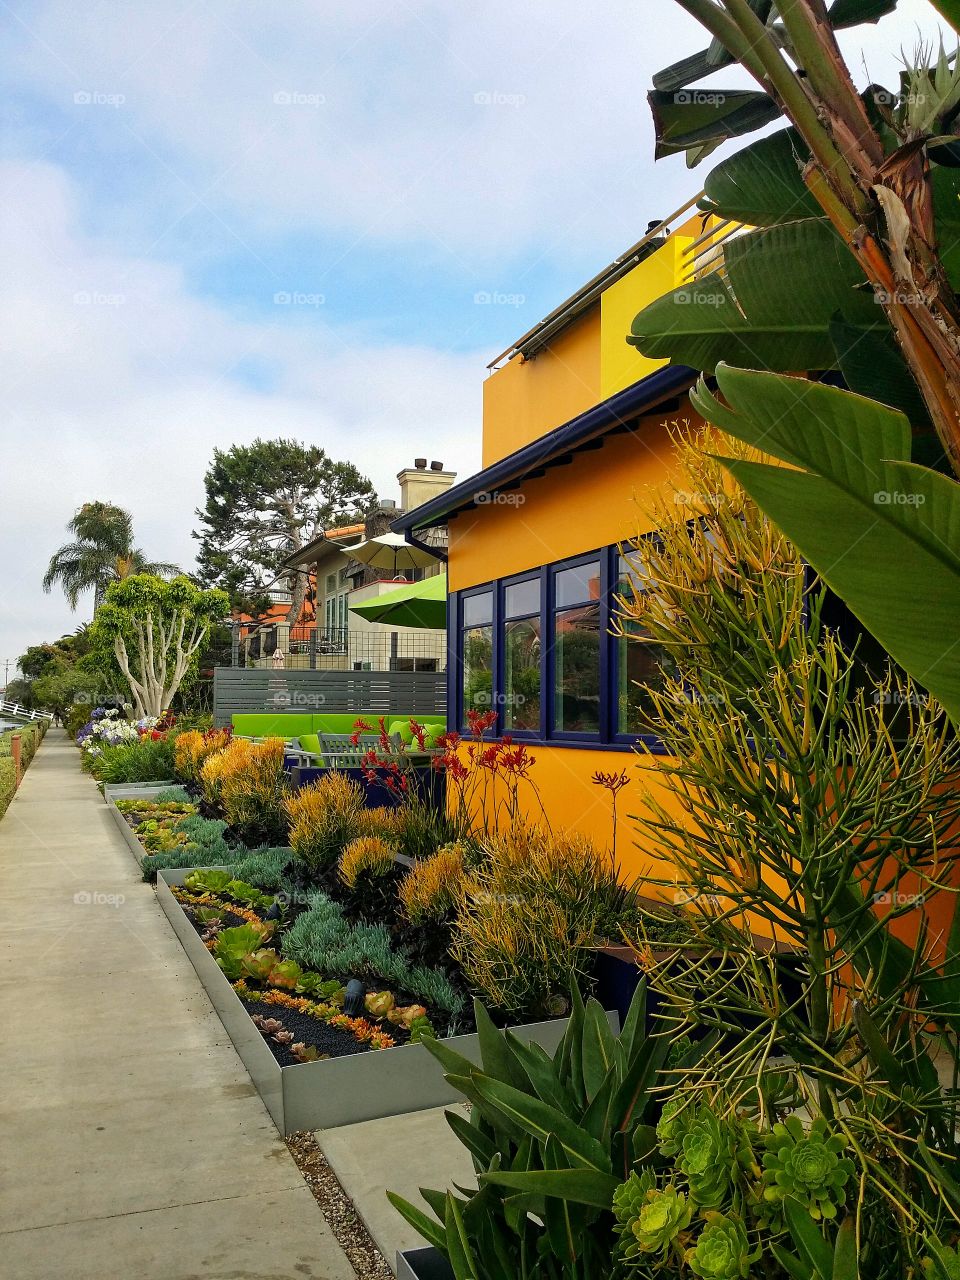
[{"x": 337, "y": 1207}]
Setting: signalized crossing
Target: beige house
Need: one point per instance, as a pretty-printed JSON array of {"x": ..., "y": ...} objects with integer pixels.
[{"x": 342, "y": 640}]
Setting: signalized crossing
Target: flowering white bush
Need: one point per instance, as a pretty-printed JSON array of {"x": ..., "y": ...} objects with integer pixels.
[{"x": 108, "y": 728}]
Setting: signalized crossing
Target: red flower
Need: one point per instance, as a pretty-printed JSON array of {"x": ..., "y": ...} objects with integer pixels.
[
  {"x": 359, "y": 726},
  {"x": 481, "y": 721},
  {"x": 419, "y": 732}
]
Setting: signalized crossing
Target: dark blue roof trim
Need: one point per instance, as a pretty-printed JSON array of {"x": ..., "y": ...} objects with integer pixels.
[{"x": 578, "y": 433}]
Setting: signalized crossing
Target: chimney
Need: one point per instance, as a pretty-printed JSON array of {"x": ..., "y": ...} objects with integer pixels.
[{"x": 418, "y": 485}]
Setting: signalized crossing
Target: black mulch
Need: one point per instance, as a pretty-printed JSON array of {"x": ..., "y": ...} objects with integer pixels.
[{"x": 333, "y": 1040}]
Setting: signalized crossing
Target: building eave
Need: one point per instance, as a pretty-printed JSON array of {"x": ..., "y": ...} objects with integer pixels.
[{"x": 581, "y": 432}]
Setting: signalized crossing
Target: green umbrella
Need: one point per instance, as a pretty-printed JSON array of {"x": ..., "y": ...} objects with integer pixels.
[{"x": 418, "y": 604}]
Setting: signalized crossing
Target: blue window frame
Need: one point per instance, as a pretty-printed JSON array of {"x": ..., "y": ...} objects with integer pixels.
[{"x": 538, "y": 649}]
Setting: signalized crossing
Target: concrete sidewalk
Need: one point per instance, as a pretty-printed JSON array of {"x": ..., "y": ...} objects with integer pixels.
[{"x": 132, "y": 1142}]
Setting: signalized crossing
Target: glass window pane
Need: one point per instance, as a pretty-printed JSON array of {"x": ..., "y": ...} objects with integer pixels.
[
  {"x": 641, "y": 665},
  {"x": 521, "y": 679},
  {"x": 478, "y": 610},
  {"x": 477, "y": 669},
  {"x": 522, "y": 598},
  {"x": 577, "y": 670},
  {"x": 578, "y": 585}
]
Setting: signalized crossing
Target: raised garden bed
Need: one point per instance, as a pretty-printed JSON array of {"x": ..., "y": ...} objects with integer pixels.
[
  {"x": 135, "y": 790},
  {"x": 363, "y": 1085}
]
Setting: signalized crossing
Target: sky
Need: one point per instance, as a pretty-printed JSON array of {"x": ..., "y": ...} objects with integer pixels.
[{"x": 313, "y": 220}]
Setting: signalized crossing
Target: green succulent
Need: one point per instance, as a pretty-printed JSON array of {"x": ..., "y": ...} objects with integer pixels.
[
  {"x": 672, "y": 1125},
  {"x": 808, "y": 1165},
  {"x": 708, "y": 1155},
  {"x": 232, "y": 947},
  {"x": 649, "y": 1219},
  {"x": 722, "y": 1251}
]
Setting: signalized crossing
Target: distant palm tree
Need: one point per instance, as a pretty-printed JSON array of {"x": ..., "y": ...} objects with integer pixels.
[{"x": 102, "y": 553}]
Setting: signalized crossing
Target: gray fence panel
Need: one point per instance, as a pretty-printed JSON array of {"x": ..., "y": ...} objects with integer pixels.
[{"x": 243, "y": 689}]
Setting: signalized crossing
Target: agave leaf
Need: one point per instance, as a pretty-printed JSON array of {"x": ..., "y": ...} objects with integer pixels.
[
  {"x": 540, "y": 1120},
  {"x": 845, "y": 1261},
  {"x": 583, "y": 1186},
  {"x": 598, "y": 1048},
  {"x": 431, "y": 1231},
  {"x": 480, "y": 1147},
  {"x": 496, "y": 1052},
  {"x": 807, "y": 1238}
]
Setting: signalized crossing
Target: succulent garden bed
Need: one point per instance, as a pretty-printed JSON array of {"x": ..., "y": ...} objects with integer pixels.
[{"x": 357, "y": 1082}]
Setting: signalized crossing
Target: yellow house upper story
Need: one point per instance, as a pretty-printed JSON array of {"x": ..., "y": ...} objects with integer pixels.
[{"x": 575, "y": 427}]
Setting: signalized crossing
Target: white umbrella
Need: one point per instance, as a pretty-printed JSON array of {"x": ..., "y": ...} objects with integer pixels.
[{"x": 390, "y": 551}]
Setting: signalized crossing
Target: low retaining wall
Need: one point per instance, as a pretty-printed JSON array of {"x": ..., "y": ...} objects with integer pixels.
[{"x": 338, "y": 1091}]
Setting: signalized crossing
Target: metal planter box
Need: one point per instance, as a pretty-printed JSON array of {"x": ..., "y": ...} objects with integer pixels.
[
  {"x": 135, "y": 790},
  {"x": 423, "y": 1264},
  {"x": 337, "y": 1091},
  {"x": 136, "y": 848}
]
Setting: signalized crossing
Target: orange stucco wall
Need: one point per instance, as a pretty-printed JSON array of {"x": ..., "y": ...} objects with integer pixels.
[
  {"x": 594, "y": 501},
  {"x": 527, "y": 398}
]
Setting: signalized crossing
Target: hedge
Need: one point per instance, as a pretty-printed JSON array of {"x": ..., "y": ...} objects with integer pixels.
[{"x": 31, "y": 736}]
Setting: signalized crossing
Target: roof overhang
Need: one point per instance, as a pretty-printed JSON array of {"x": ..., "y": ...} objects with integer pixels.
[{"x": 586, "y": 431}]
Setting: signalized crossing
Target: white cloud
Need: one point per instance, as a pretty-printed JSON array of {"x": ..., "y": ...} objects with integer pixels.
[
  {"x": 485, "y": 128},
  {"x": 118, "y": 385}
]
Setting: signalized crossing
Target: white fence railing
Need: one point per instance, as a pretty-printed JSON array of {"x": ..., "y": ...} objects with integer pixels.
[{"x": 21, "y": 713}]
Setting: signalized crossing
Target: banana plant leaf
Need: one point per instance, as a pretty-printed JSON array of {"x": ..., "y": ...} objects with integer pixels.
[
  {"x": 762, "y": 184},
  {"x": 872, "y": 365},
  {"x": 699, "y": 120},
  {"x": 883, "y": 533},
  {"x": 783, "y": 286}
]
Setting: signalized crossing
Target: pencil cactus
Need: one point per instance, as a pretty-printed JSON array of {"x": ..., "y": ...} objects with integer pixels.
[{"x": 808, "y": 1165}]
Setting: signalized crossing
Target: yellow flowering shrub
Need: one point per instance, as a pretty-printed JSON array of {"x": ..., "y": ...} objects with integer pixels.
[
  {"x": 433, "y": 886},
  {"x": 324, "y": 817}
]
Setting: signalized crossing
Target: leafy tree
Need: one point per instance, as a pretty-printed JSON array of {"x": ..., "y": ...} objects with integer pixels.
[
  {"x": 102, "y": 552},
  {"x": 61, "y": 686},
  {"x": 153, "y": 630},
  {"x": 265, "y": 501},
  {"x": 857, "y": 204}
]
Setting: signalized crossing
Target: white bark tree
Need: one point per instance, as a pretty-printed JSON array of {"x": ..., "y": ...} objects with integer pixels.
[{"x": 154, "y": 630}]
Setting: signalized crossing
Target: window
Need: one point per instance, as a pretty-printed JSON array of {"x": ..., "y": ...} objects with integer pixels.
[
  {"x": 640, "y": 662},
  {"x": 521, "y": 655},
  {"x": 539, "y": 649},
  {"x": 577, "y": 640},
  {"x": 476, "y": 650}
]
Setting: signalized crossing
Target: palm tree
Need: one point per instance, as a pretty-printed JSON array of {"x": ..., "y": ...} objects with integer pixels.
[{"x": 102, "y": 553}]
